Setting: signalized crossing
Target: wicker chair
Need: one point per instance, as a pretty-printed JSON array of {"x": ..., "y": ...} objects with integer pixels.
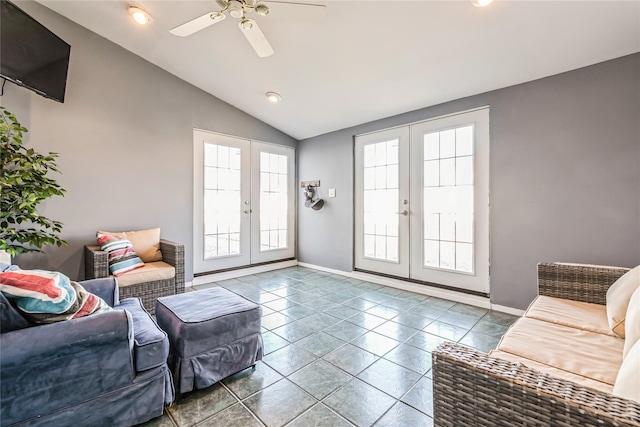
[
  {"x": 97, "y": 266},
  {"x": 470, "y": 388}
]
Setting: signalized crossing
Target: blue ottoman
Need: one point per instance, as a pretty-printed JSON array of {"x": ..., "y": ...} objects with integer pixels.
[{"x": 213, "y": 333}]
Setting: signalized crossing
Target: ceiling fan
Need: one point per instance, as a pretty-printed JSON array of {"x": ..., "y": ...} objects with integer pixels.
[{"x": 239, "y": 9}]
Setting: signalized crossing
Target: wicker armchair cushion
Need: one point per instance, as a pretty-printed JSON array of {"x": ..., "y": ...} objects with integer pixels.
[
  {"x": 632, "y": 326},
  {"x": 150, "y": 272},
  {"x": 618, "y": 296},
  {"x": 555, "y": 372},
  {"x": 146, "y": 243},
  {"x": 576, "y": 314},
  {"x": 628, "y": 381},
  {"x": 583, "y": 353}
]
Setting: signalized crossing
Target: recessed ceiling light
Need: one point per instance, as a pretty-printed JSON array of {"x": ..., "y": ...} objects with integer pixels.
[
  {"x": 481, "y": 3},
  {"x": 274, "y": 97},
  {"x": 139, "y": 15}
]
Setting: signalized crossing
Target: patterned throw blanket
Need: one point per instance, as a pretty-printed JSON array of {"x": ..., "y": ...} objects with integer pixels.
[{"x": 48, "y": 297}]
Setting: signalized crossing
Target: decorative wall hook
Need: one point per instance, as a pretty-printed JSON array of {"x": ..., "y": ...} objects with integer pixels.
[{"x": 309, "y": 194}]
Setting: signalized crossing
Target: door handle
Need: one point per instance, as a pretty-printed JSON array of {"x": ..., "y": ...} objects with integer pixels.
[{"x": 404, "y": 212}]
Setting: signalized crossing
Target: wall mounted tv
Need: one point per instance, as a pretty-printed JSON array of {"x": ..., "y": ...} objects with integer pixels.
[{"x": 30, "y": 55}]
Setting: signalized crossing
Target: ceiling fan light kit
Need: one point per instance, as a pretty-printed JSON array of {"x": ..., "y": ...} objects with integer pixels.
[
  {"x": 240, "y": 8},
  {"x": 262, "y": 9},
  {"x": 246, "y": 24},
  {"x": 217, "y": 16}
]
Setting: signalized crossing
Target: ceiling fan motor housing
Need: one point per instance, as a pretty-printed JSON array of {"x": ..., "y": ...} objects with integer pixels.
[{"x": 239, "y": 9}]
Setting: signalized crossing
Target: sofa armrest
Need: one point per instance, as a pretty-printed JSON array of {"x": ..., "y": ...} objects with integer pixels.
[
  {"x": 473, "y": 388},
  {"x": 173, "y": 254},
  {"x": 96, "y": 262},
  {"x": 61, "y": 364},
  {"x": 576, "y": 282},
  {"x": 106, "y": 288}
]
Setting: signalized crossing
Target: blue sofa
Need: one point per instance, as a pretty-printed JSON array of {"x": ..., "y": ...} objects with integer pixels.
[{"x": 108, "y": 369}]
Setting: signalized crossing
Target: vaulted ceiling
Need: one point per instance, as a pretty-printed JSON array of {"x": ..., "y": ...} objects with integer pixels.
[{"x": 368, "y": 59}]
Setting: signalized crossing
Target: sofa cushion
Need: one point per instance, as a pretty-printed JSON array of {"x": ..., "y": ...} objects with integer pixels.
[
  {"x": 632, "y": 325},
  {"x": 150, "y": 272},
  {"x": 608, "y": 267},
  {"x": 146, "y": 243},
  {"x": 553, "y": 371},
  {"x": 48, "y": 296},
  {"x": 628, "y": 381},
  {"x": 10, "y": 317},
  {"x": 576, "y": 314},
  {"x": 122, "y": 257},
  {"x": 584, "y": 353},
  {"x": 618, "y": 296},
  {"x": 151, "y": 347}
]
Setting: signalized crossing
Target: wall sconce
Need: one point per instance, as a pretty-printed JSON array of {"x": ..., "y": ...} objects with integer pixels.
[{"x": 310, "y": 193}]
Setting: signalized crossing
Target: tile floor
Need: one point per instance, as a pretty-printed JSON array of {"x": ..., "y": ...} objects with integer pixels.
[{"x": 338, "y": 352}]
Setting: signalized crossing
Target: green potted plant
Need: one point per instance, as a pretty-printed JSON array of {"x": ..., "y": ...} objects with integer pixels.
[{"x": 23, "y": 186}]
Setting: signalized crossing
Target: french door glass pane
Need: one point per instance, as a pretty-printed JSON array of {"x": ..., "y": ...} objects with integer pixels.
[
  {"x": 273, "y": 201},
  {"x": 448, "y": 211},
  {"x": 381, "y": 193},
  {"x": 222, "y": 201}
]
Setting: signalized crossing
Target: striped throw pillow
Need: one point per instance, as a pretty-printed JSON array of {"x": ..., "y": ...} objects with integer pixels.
[
  {"x": 49, "y": 296},
  {"x": 122, "y": 257}
]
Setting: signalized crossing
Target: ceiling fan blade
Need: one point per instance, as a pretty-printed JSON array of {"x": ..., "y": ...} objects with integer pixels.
[
  {"x": 257, "y": 40},
  {"x": 195, "y": 25},
  {"x": 297, "y": 11}
]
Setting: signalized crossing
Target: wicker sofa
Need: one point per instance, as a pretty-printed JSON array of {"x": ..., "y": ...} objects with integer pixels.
[
  {"x": 478, "y": 389},
  {"x": 97, "y": 266}
]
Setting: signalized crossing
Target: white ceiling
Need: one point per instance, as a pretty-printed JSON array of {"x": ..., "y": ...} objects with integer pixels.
[{"x": 368, "y": 59}]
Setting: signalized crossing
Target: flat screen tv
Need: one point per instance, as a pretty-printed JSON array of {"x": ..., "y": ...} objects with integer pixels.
[{"x": 30, "y": 55}]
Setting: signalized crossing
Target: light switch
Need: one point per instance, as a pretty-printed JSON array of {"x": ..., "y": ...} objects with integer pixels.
[{"x": 332, "y": 192}]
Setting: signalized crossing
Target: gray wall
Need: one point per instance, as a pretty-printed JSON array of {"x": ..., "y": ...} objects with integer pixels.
[
  {"x": 125, "y": 138},
  {"x": 564, "y": 177}
]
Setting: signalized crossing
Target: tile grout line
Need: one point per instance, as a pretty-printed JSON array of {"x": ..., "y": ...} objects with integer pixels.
[{"x": 394, "y": 299}]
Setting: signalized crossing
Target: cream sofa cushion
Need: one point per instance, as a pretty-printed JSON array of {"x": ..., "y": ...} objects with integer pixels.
[
  {"x": 608, "y": 267},
  {"x": 632, "y": 325},
  {"x": 628, "y": 381},
  {"x": 146, "y": 243},
  {"x": 576, "y": 314},
  {"x": 618, "y": 296},
  {"x": 584, "y": 353},
  {"x": 151, "y": 272},
  {"x": 554, "y": 372}
]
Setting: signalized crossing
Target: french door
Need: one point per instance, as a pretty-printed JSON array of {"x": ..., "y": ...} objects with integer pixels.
[
  {"x": 422, "y": 201},
  {"x": 244, "y": 202}
]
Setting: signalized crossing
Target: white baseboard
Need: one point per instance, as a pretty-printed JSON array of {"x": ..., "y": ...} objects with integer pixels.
[
  {"x": 216, "y": 277},
  {"x": 451, "y": 295},
  {"x": 325, "y": 269},
  {"x": 508, "y": 310},
  {"x": 474, "y": 300},
  {"x": 462, "y": 297}
]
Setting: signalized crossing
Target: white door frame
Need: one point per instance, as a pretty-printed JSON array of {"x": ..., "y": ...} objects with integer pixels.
[
  {"x": 401, "y": 206},
  {"x": 249, "y": 208},
  {"x": 258, "y": 255},
  {"x": 411, "y": 234},
  {"x": 200, "y": 263},
  {"x": 478, "y": 280}
]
